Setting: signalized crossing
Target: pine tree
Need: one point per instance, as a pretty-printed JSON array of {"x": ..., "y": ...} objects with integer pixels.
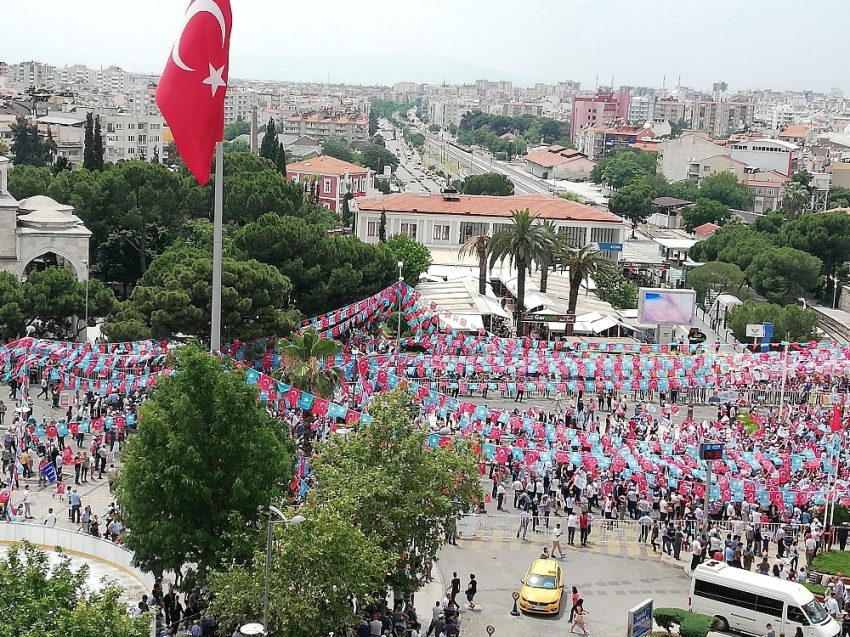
[
  {"x": 268, "y": 148},
  {"x": 88, "y": 144},
  {"x": 280, "y": 160},
  {"x": 97, "y": 150},
  {"x": 347, "y": 217},
  {"x": 382, "y": 228}
]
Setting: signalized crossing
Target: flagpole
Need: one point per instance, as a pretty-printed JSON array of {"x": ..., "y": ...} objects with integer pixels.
[{"x": 215, "y": 319}]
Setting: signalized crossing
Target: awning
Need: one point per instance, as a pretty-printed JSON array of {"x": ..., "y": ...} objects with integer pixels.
[{"x": 603, "y": 324}]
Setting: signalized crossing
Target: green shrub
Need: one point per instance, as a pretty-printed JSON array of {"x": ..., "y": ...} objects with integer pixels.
[
  {"x": 832, "y": 562},
  {"x": 817, "y": 589},
  {"x": 690, "y": 624},
  {"x": 668, "y": 617}
]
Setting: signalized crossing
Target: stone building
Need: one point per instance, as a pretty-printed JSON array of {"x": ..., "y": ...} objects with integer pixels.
[{"x": 39, "y": 232}]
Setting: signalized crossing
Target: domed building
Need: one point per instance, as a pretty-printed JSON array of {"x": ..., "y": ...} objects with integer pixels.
[{"x": 39, "y": 232}]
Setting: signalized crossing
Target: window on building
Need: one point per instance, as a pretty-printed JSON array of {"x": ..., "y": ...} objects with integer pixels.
[
  {"x": 409, "y": 230},
  {"x": 154, "y": 126},
  {"x": 131, "y": 126},
  {"x": 327, "y": 186},
  {"x": 131, "y": 138},
  {"x": 119, "y": 126},
  {"x": 372, "y": 229},
  {"x": 706, "y": 169},
  {"x": 143, "y": 139},
  {"x": 142, "y": 125},
  {"x": 575, "y": 236},
  {"x": 441, "y": 232},
  {"x": 154, "y": 138}
]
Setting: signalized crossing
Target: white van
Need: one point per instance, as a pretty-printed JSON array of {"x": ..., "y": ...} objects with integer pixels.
[{"x": 746, "y": 601}]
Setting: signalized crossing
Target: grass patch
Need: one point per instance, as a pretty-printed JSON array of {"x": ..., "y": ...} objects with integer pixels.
[
  {"x": 817, "y": 589},
  {"x": 832, "y": 562}
]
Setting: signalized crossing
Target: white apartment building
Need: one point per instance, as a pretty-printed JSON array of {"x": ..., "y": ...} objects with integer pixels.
[
  {"x": 238, "y": 104},
  {"x": 112, "y": 80},
  {"x": 767, "y": 154},
  {"x": 30, "y": 73},
  {"x": 445, "y": 112},
  {"x": 352, "y": 127},
  {"x": 142, "y": 102},
  {"x": 132, "y": 137},
  {"x": 641, "y": 109}
]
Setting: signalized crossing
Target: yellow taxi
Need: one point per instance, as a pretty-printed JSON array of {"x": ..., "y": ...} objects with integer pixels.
[{"x": 542, "y": 588}]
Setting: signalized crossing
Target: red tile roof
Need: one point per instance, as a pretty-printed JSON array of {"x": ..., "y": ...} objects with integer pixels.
[
  {"x": 543, "y": 206},
  {"x": 548, "y": 159},
  {"x": 325, "y": 166},
  {"x": 706, "y": 228}
]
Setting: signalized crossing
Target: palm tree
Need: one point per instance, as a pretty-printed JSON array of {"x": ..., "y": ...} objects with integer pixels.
[
  {"x": 524, "y": 243},
  {"x": 301, "y": 367},
  {"x": 477, "y": 245},
  {"x": 548, "y": 261},
  {"x": 582, "y": 264},
  {"x": 795, "y": 199}
]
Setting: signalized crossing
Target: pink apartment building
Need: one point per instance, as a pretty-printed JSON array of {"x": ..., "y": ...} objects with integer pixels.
[
  {"x": 334, "y": 176},
  {"x": 602, "y": 109}
]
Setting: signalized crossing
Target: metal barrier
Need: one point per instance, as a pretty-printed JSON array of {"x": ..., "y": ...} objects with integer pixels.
[{"x": 602, "y": 531}]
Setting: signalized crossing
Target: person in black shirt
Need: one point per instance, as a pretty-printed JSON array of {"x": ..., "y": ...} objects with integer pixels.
[
  {"x": 471, "y": 590},
  {"x": 455, "y": 588}
]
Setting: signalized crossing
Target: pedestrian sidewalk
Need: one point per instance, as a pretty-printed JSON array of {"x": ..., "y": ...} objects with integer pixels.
[{"x": 427, "y": 596}]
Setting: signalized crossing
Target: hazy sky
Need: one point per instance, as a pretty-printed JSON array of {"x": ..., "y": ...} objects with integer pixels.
[{"x": 778, "y": 44}]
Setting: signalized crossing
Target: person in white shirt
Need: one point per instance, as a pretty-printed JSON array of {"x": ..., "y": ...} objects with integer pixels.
[
  {"x": 500, "y": 497},
  {"x": 832, "y": 606},
  {"x": 27, "y": 503},
  {"x": 50, "y": 518},
  {"x": 518, "y": 489},
  {"x": 572, "y": 524},
  {"x": 557, "y": 532}
]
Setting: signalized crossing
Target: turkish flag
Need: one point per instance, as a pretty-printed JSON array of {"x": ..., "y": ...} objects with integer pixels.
[
  {"x": 835, "y": 420},
  {"x": 193, "y": 85}
]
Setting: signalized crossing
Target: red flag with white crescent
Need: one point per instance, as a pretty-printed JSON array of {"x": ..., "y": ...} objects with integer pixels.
[{"x": 193, "y": 85}]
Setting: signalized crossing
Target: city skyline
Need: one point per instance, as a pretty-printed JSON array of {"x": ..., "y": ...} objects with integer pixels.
[{"x": 745, "y": 45}]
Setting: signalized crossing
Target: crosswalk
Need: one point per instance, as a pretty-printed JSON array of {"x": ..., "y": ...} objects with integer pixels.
[{"x": 498, "y": 540}]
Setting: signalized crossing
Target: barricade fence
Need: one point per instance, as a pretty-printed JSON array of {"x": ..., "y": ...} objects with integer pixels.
[
  {"x": 682, "y": 396},
  {"x": 475, "y": 526}
]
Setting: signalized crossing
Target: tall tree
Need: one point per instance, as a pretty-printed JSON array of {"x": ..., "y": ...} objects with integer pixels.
[
  {"x": 373, "y": 123},
  {"x": 307, "y": 366},
  {"x": 795, "y": 199},
  {"x": 487, "y": 184},
  {"x": 53, "y": 598},
  {"x": 548, "y": 260},
  {"x": 399, "y": 492},
  {"x": 705, "y": 211},
  {"x": 268, "y": 147},
  {"x": 88, "y": 144},
  {"x": 337, "y": 147},
  {"x": 237, "y": 128},
  {"x": 783, "y": 274},
  {"x": 347, "y": 216},
  {"x": 415, "y": 256},
  {"x": 582, "y": 264},
  {"x": 280, "y": 160},
  {"x": 28, "y": 147},
  {"x": 632, "y": 202},
  {"x": 317, "y": 567},
  {"x": 725, "y": 188},
  {"x": 97, "y": 145},
  {"x": 382, "y": 227},
  {"x": 523, "y": 243},
  {"x": 716, "y": 276},
  {"x": 477, "y": 246},
  {"x": 213, "y": 456}
]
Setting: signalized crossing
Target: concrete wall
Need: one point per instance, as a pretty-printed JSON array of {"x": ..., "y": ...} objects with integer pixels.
[{"x": 75, "y": 544}]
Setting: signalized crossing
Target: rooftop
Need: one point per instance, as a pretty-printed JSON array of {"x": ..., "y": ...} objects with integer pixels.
[
  {"x": 543, "y": 206},
  {"x": 324, "y": 165}
]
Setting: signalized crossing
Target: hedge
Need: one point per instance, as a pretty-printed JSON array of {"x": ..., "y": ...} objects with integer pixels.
[
  {"x": 832, "y": 562},
  {"x": 690, "y": 624}
]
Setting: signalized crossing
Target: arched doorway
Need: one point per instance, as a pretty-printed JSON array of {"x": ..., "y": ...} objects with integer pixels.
[{"x": 48, "y": 260}]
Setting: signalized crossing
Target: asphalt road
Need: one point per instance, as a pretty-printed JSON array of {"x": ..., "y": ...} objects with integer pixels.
[{"x": 609, "y": 584}]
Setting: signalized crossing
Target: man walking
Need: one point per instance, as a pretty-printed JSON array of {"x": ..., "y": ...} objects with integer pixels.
[
  {"x": 76, "y": 503},
  {"x": 454, "y": 588},
  {"x": 556, "y": 541},
  {"x": 27, "y": 502},
  {"x": 645, "y": 523}
]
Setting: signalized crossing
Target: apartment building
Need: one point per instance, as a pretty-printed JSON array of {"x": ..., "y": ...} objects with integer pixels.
[
  {"x": 444, "y": 113},
  {"x": 352, "y": 127},
  {"x": 517, "y": 109},
  {"x": 641, "y": 109},
  {"x": 132, "y": 137},
  {"x": 719, "y": 118},
  {"x": 602, "y": 109},
  {"x": 31, "y": 72},
  {"x": 238, "y": 104},
  {"x": 668, "y": 110},
  {"x": 590, "y": 142},
  {"x": 142, "y": 102}
]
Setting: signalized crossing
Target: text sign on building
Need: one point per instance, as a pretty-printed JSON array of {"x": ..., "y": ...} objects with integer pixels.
[
  {"x": 549, "y": 318},
  {"x": 610, "y": 247},
  {"x": 640, "y": 619},
  {"x": 755, "y": 330}
]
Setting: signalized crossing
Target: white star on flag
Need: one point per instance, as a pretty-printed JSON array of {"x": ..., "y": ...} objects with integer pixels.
[{"x": 215, "y": 80}]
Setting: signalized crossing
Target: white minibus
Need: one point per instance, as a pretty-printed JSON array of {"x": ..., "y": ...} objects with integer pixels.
[{"x": 745, "y": 601}]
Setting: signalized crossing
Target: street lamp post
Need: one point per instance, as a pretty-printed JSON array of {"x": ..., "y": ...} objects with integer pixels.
[
  {"x": 398, "y": 332},
  {"x": 295, "y": 519},
  {"x": 88, "y": 275}
]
